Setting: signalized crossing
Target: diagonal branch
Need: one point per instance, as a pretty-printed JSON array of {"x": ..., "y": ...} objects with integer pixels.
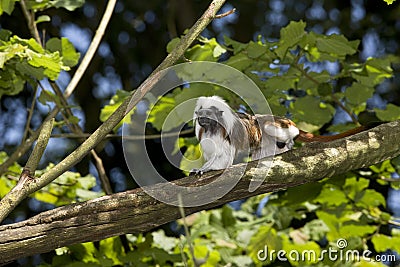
[
  {"x": 26, "y": 144},
  {"x": 135, "y": 211},
  {"x": 101, "y": 132}
]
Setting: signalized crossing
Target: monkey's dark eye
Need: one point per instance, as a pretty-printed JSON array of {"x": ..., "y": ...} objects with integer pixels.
[{"x": 280, "y": 144}]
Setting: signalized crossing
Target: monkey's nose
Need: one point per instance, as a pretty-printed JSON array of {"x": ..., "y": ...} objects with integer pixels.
[{"x": 204, "y": 121}]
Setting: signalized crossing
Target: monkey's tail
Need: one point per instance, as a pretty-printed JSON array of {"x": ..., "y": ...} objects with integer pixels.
[{"x": 309, "y": 137}]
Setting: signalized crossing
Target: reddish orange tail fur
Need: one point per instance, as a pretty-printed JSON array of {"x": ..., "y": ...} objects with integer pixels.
[{"x": 309, "y": 137}]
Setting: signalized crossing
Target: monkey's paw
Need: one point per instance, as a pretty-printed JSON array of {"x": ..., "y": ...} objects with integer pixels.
[{"x": 196, "y": 172}]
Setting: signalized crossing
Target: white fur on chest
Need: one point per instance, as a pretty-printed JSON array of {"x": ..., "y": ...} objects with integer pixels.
[{"x": 217, "y": 151}]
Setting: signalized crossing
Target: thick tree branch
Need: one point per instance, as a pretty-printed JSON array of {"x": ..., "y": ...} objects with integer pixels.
[
  {"x": 135, "y": 211},
  {"x": 101, "y": 132}
]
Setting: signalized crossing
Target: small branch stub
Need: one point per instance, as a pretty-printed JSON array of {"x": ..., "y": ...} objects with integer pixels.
[{"x": 220, "y": 16}]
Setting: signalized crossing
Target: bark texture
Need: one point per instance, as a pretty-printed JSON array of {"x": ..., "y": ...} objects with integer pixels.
[{"x": 135, "y": 211}]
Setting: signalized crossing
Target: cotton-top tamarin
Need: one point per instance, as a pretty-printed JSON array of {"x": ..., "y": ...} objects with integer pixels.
[{"x": 223, "y": 133}]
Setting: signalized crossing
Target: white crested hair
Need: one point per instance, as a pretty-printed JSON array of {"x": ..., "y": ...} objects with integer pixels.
[{"x": 220, "y": 104}]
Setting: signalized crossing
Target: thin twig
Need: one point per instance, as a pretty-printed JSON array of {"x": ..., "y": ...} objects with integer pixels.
[
  {"x": 127, "y": 137},
  {"x": 351, "y": 114},
  {"x": 197, "y": 262},
  {"x": 219, "y": 16},
  {"x": 7, "y": 203},
  {"x": 30, "y": 18},
  {"x": 92, "y": 49},
  {"x": 75, "y": 128},
  {"x": 105, "y": 181},
  {"x": 26, "y": 144},
  {"x": 30, "y": 114}
]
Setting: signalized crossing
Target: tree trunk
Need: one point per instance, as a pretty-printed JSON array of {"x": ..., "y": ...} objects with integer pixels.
[{"x": 135, "y": 211}]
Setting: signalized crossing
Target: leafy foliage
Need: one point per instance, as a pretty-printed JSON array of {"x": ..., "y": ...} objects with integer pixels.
[
  {"x": 295, "y": 74},
  {"x": 23, "y": 60},
  {"x": 69, "y": 5},
  {"x": 114, "y": 103},
  {"x": 340, "y": 208},
  {"x": 306, "y": 75},
  {"x": 68, "y": 188}
]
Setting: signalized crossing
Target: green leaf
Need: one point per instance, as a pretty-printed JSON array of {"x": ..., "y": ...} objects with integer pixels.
[
  {"x": 114, "y": 103},
  {"x": 237, "y": 46},
  {"x": 391, "y": 113},
  {"x": 374, "y": 71},
  {"x": 351, "y": 230},
  {"x": 63, "y": 46},
  {"x": 43, "y": 18},
  {"x": 68, "y": 52},
  {"x": 371, "y": 198},
  {"x": 389, "y": 2},
  {"x": 227, "y": 218},
  {"x": 171, "y": 44},
  {"x": 331, "y": 196},
  {"x": 69, "y": 5},
  {"x": 353, "y": 186},
  {"x": 209, "y": 50},
  {"x": 313, "y": 80},
  {"x": 284, "y": 82},
  {"x": 336, "y": 45},
  {"x": 85, "y": 252},
  {"x": 290, "y": 37},
  {"x": 111, "y": 248},
  {"x": 309, "y": 192},
  {"x": 7, "y": 6},
  {"x": 6, "y": 185},
  {"x": 266, "y": 236},
  {"x": 239, "y": 61},
  {"x": 383, "y": 242},
  {"x": 255, "y": 50},
  {"x": 309, "y": 109},
  {"x": 218, "y": 51},
  {"x": 332, "y": 222},
  {"x": 50, "y": 63},
  {"x": 46, "y": 96},
  {"x": 358, "y": 93},
  {"x": 10, "y": 83},
  {"x": 324, "y": 89}
]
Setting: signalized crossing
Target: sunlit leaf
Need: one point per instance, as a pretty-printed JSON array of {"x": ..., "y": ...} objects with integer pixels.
[
  {"x": 336, "y": 44},
  {"x": 114, "y": 103},
  {"x": 391, "y": 113},
  {"x": 331, "y": 195},
  {"x": 43, "y": 18},
  {"x": 351, "y": 230},
  {"x": 310, "y": 110},
  {"x": 7, "y": 6},
  {"x": 358, "y": 93},
  {"x": 290, "y": 36},
  {"x": 382, "y": 242}
]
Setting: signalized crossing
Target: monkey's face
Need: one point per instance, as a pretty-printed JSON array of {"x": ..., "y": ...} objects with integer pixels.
[{"x": 209, "y": 118}]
